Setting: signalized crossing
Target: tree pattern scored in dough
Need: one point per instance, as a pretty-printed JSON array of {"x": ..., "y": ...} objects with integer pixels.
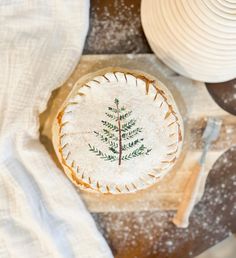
[{"x": 120, "y": 134}]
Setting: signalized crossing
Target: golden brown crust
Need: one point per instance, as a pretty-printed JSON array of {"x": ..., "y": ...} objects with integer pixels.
[{"x": 148, "y": 82}]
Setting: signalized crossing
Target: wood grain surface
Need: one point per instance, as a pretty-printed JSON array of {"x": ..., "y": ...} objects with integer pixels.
[
  {"x": 193, "y": 100},
  {"x": 115, "y": 28}
]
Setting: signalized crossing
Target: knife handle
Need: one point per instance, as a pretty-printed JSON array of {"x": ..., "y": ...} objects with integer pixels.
[{"x": 190, "y": 197}]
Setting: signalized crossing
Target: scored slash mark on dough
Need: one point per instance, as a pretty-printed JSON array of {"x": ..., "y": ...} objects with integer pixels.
[
  {"x": 72, "y": 103},
  {"x": 115, "y": 76},
  {"x": 106, "y": 77},
  {"x": 96, "y": 81},
  {"x": 67, "y": 156},
  {"x": 166, "y": 113},
  {"x": 66, "y": 144},
  {"x": 125, "y": 77},
  {"x": 65, "y": 123}
]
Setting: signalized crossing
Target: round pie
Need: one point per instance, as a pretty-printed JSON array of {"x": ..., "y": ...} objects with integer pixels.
[{"x": 118, "y": 131}]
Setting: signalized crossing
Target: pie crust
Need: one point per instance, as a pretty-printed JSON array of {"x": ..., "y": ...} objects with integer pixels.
[{"x": 118, "y": 131}]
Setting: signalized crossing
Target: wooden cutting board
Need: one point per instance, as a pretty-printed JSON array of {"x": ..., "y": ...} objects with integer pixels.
[{"x": 195, "y": 105}]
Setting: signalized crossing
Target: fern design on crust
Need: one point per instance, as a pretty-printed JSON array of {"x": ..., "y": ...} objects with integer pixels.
[{"x": 120, "y": 134}]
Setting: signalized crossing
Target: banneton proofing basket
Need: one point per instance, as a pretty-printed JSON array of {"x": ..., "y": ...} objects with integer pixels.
[
  {"x": 195, "y": 38},
  {"x": 118, "y": 131}
]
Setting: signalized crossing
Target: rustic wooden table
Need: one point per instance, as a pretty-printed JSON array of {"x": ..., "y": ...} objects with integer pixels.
[{"x": 115, "y": 28}]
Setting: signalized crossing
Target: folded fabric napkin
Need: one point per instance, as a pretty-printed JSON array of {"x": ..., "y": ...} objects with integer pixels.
[{"x": 41, "y": 215}]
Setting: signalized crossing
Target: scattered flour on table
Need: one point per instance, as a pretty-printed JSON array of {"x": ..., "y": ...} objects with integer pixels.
[
  {"x": 117, "y": 32},
  {"x": 154, "y": 229},
  {"x": 152, "y": 232},
  {"x": 229, "y": 97}
]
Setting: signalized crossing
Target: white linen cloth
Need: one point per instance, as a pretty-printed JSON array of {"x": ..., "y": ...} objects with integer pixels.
[{"x": 41, "y": 214}]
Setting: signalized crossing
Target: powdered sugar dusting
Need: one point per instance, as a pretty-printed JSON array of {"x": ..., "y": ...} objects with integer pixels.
[{"x": 151, "y": 233}]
